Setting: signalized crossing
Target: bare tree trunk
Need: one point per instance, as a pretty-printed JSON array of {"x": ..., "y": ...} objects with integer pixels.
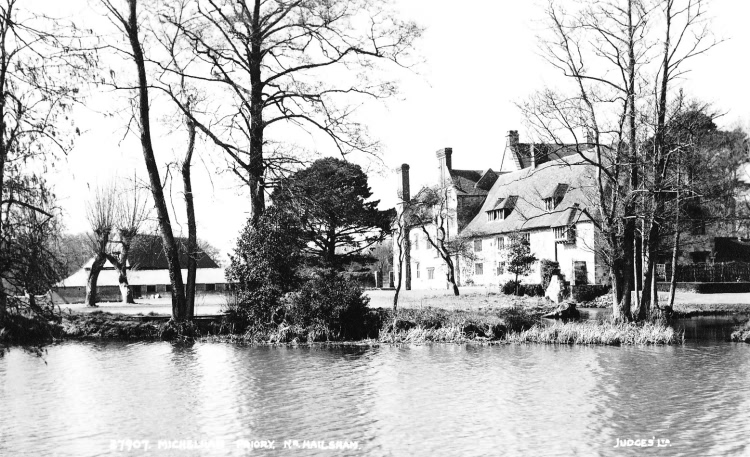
[
  {"x": 96, "y": 267},
  {"x": 255, "y": 167},
  {"x": 192, "y": 247},
  {"x": 179, "y": 311},
  {"x": 673, "y": 279},
  {"x": 620, "y": 283},
  {"x": 675, "y": 246},
  {"x": 121, "y": 264},
  {"x": 654, "y": 290},
  {"x": 407, "y": 258},
  {"x": 630, "y": 206}
]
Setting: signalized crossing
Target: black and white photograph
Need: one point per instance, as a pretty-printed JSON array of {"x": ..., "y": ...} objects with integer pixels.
[{"x": 374, "y": 228}]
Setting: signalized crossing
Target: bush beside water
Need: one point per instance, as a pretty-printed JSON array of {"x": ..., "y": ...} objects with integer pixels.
[{"x": 742, "y": 333}]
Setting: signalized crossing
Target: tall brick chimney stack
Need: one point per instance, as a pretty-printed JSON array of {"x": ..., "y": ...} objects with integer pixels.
[
  {"x": 404, "y": 193},
  {"x": 445, "y": 163},
  {"x": 512, "y": 138},
  {"x": 404, "y": 188}
]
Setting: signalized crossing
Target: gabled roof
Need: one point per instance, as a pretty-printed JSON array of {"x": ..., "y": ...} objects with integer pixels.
[
  {"x": 487, "y": 180},
  {"x": 465, "y": 182},
  {"x": 530, "y": 186}
]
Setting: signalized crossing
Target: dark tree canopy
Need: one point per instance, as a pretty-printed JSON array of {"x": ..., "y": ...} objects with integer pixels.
[
  {"x": 330, "y": 201},
  {"x": 265, "y": 265}
]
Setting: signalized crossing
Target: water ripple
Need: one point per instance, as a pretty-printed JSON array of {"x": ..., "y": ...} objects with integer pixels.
[{"x": 425, "y": 400}]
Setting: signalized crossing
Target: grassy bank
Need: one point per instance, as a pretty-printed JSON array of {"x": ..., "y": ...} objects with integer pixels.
[
  {"x": 508, "y": 324},
  {"x": 599, "y": 333}
]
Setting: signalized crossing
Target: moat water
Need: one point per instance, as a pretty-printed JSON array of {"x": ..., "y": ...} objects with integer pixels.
[{"x": 89, "y": 399}]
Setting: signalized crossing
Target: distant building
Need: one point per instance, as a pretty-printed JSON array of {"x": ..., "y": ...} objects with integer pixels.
[
  {"x": 542, "y": 191},
  {"x": 148, "y": 274}
]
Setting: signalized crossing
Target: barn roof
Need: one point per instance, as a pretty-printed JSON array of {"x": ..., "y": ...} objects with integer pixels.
[{"x": 147, "y": 253}]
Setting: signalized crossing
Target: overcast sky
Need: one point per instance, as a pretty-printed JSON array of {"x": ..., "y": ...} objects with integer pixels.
[{"x": 480, "y": 58}]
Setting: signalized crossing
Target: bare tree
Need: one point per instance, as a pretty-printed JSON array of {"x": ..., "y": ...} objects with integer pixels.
[
  {"x": 128, "y": 23},
  {"x": 292, "y": 62},
  {"x": 131, "y": 209},
  {"x": 100, "y": 212},
  {"x": 41, "y": 73},
  {"x": 430, "y": 212},
  {"x": 607, "y": 48}
]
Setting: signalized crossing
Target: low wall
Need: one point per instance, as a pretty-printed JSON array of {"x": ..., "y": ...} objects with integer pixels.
[{"x": 708, "y": 287}]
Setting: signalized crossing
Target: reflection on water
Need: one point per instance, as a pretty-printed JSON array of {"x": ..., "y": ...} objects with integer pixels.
[{"x": 425, "y": 400}]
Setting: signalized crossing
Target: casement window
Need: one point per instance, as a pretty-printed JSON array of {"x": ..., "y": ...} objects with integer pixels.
[
  {"x": 415, "y": 244},
  {"x": 500, "y": 241},
  {"x": 500, "y": 268},
  {"x": 416, "y": 269},
  {"x": 565, "y": 234},
  {"x": 478, "y": 269},
  {"x": 430, "y": 273},
  {"x": 477, "y": 245}
]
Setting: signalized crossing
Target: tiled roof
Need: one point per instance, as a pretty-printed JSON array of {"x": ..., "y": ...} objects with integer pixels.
[
  {"x": 465, "y": 182},
  {"x": 531, "y": 185}
]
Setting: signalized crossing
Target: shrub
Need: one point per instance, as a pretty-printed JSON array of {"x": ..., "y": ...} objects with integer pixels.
[
  {"x": 510, "y": 287},
  {"x": 330, "y": 307},
  {"x": 265, "y": 267},
  {"x": 548, "y": 269},
  {"x": 533, "y": 290}
]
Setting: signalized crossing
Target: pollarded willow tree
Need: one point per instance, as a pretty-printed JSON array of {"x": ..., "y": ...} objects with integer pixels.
[
  {"x": 292, "y": 63},
  {"x": 621, "y": 59}
]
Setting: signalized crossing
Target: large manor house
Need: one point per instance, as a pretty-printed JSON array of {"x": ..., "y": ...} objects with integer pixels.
[{"x": 540, "y": 191}]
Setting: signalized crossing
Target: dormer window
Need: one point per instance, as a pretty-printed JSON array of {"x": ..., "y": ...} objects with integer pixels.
[
  {"x": 496, "y": 214},
  {"x": 502, "y": 209},
  {"x": 554, "y": 198}
]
